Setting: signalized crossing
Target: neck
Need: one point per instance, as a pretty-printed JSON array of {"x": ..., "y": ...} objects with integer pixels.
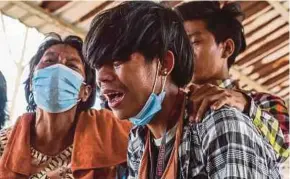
[
  {"x": 53, "y": 132},
  {"x": 162, "y": 121},
  {"x": 212, "y": 80}
]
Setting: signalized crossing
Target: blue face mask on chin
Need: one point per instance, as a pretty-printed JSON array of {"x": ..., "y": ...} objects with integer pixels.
[
  {"x": 56, "y": 88},
  {"x": 150, "y": 109},
  {"x": 152, "y": 106}
]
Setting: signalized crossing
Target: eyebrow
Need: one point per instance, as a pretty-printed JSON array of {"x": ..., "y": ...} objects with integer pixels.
[
  {"x": 50, "y": 53},
  {"x": 196, "y": 33},
  {"x": 74, "y": 59},
  {"x": 69, "y": 58}
]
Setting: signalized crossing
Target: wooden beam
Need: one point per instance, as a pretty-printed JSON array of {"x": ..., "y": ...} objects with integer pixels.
[
  {"x": 38, "y": 11},
  {"x": 283, "y": 91},
  {"x": 254, "y": 8},
  {"x": 52, "y": 6},
  {"x": 262, "y": 46},
  {"x": 264, "y": 54},
  {"x": 261, "y": 79},
  {"x": 256, "y": 15},
  {"x": 269, "y": 59},
  {"x": 277, "y": 79},
  {"x": 94, "y": 11},
  {"x": 264, "y": 30},
  {"x": 264, "y": 70},
  {"x": 260, "y": 21},
  {"x": 280, "y": 8},
  {"x": 245, "y": 79}
]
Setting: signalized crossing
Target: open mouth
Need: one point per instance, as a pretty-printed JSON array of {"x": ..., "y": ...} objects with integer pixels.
[{"x": 114, "y": 98}]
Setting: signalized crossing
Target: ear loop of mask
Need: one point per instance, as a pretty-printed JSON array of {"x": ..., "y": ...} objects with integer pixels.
[
  {"x": 163, "y": 142},
  {"x": 155, "y": 80}
]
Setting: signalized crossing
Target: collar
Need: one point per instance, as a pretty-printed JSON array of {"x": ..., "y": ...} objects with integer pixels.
[{"x": 227, "y": 83}]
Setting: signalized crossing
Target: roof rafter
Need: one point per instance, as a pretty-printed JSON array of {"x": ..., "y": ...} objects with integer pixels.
[
  {"x": 37, "y": 11},
  {"x": 280, "y": 8},
  {"x": 251, "y": 83}
]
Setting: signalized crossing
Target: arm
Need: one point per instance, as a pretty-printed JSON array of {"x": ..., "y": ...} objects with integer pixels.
[
  {"x": 270, "y": 116},
  {"x": 267, "y": 112},
  {"x": 232, "y": 147}
]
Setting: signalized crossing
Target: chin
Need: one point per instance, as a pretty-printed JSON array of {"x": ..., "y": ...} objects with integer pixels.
[{"x": 124, "y": 114}]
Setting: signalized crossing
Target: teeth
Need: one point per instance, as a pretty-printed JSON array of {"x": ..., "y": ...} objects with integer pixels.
[{"x": 113, "y": 93}]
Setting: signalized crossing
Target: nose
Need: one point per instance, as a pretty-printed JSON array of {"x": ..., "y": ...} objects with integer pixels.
[
  {"x": 62, "y": 59},
  {"x": 104, "y": 74}
]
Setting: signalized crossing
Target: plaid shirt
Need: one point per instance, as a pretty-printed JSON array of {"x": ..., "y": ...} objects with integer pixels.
[
  {"x": 225, "y": 144},
  {"x": 270, "y": 115}
]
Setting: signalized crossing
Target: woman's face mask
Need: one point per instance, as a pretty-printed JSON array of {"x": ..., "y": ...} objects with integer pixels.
[{"x": 56, "y": 88}]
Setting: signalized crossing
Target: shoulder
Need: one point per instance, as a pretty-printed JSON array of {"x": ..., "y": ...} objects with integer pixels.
[
  {"x": 225, "y": 120},
  {"x": 230, "y": 127},
  {"x": 266, "y": 98}
]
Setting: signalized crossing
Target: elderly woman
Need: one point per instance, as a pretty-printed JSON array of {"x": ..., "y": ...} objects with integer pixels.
[{"x": 61, "y": 137}]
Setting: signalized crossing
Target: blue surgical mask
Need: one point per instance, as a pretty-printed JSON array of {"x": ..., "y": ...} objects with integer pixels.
[
  {"x": 56, "y": 88},
  {"x": 150, "y": 109},
  {"x": 152, "y": 106}
]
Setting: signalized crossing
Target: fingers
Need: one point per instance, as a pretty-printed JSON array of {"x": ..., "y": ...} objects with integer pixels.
[
  {"x": 192, "y": 88},
  {"x": 201, "y": 110},
  {"x": 200, "y": 107},
  {"x": 220, "y": 103}
]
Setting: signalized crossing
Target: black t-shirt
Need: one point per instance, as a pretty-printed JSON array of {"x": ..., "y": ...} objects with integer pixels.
[{"x": 154, "y": 155}]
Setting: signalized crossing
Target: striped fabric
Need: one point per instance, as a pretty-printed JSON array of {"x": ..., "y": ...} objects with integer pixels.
[
  {"x": 226, "y": 144},
  {"x": 270, "y": 115},
  {"x": 53, "y": 166}
]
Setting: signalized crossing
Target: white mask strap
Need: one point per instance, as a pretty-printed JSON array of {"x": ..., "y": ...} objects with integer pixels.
[{"x": 155, "y": 80}]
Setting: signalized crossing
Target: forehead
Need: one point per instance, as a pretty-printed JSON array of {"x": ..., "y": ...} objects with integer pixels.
[
  {"x": 193, "y": 26},
  {"x": 62, "y": 49}
]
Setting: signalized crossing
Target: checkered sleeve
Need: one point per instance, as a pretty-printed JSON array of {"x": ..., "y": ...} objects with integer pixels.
[
  {"x": 270, "y": 116},
  {"x": 233, "y": 148}
]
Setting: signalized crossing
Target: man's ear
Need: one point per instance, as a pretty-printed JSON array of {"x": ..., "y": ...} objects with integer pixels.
[
  {"x": 167, "y": 63},
  {"x": 228, "y": 48}
]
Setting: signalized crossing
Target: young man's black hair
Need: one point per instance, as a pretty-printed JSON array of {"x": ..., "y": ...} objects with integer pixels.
[
  {"x": 223, "y": 23},
  {"x": 131, "y": 27}
]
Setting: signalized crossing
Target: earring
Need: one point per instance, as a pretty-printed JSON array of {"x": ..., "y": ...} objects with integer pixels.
[{"x": 164, "y": 72}]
